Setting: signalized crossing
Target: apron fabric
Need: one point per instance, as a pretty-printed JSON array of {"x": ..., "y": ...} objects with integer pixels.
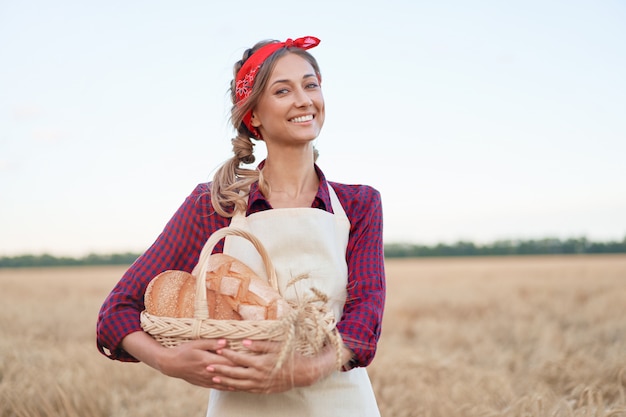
[{"x": 306, "y": 243}]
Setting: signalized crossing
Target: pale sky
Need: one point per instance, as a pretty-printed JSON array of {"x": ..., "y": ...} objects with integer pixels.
[{"x": 482, "y": 120}]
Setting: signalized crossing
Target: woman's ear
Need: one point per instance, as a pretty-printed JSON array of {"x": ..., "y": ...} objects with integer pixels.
[{"x": 254, "y": 121}]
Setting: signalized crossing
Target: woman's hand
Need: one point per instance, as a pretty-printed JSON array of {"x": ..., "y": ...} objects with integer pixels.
[
  {"x": 188, "y": 361},
  {"x": 256, "y": 373}
]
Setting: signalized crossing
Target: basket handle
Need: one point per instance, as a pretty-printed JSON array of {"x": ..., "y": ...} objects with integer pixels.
[{"x": 201, "y": 310}]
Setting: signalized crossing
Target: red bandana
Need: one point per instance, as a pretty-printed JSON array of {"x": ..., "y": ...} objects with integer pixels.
[{"x": 247, "y": 73}]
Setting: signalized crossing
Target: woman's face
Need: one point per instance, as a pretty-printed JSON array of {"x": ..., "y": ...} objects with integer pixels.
[{"x": 291, "y": 109}]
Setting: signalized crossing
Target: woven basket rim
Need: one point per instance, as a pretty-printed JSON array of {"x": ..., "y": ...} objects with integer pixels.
[{"x": 208, "y": 320}]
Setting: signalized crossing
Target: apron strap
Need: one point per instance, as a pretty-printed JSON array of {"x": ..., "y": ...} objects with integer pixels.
[
  {"x": 238, "y": 218},
  {"x": 336, "y": 204}
]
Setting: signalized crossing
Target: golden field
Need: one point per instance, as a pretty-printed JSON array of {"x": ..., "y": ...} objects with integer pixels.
[{"x": 510, "y": 336}]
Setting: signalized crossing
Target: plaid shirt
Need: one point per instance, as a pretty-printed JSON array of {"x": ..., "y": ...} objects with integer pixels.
[{"x": 178, "y": 248}]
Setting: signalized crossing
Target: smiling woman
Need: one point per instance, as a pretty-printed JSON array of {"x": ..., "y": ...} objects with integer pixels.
[
  {"x": 292, "y": 106},
  {"x": 322, "y": 237}
]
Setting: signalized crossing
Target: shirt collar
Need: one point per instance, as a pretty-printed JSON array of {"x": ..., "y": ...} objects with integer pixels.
[{"x": 258, "y": 202}]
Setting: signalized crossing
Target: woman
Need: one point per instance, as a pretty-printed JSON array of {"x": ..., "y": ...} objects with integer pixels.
[{"x": 330, "y": 231}]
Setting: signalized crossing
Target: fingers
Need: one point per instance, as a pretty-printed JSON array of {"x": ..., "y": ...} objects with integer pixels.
[
  {"x": 207, "y": 344},
  {"x": 255, "y": 369},
  {"x": 237, "y": 378},
  {"x": 244, "y": 360},
  {"x": 258, "y": 355},
  {"x": 208, "y": 349},
  {"x": 210, "y": 363},
  {"x": 247, "y": 380},
  {"x": 189, "y": 361},
  {"x": 262, "y": 346},
  {"x": 215, "y": 345}
]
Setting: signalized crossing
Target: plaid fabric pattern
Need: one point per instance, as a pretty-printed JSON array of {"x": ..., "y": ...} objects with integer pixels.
[{"x": 178, "y": 248}]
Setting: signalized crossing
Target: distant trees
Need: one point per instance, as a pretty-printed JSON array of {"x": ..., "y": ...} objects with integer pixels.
[
  {"x": 47, "y": 260},
  {"x": 547, "y": 246}
]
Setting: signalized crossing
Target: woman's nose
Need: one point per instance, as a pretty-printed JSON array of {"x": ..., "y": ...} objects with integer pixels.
[{"x": 302, "y": 99}]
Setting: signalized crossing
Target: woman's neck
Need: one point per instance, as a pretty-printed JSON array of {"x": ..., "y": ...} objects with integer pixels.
[{"x": 292, "y": 179}]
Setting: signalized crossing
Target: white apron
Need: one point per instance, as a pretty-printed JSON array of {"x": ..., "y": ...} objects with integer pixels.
[{"x": 301, "y": 241}]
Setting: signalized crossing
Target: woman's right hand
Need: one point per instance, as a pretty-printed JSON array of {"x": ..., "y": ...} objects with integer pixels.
[{"x": 188, "y": 361}]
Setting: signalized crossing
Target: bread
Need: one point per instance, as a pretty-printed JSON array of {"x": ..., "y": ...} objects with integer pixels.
[
  {"x": 234, "y": 292},
  {"x": 250, "y": 296},
  {"x": 171, "y": 294}
]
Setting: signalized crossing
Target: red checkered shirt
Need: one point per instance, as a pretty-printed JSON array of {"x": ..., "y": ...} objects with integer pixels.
[{"x": 178, "y": 248}]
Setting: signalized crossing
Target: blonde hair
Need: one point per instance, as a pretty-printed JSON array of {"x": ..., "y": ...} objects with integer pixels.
[{"x": 231, "y": 182}]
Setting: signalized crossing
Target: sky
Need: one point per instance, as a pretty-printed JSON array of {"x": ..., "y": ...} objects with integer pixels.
[{"x": 477, "y": 121}]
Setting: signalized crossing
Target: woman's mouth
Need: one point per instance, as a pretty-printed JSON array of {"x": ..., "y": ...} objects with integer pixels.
[{"x": 302, "y": 119}]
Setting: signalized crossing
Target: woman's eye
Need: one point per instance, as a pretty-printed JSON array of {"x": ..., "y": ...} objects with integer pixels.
[
  {"x": 281, "y": 91},
  {"x": 312, "y": 85}
]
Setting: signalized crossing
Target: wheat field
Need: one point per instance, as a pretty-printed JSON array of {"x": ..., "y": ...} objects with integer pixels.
[{"x": 510, "y": 336}]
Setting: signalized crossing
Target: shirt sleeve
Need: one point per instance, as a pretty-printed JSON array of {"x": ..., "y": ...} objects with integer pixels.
[
  {"x": 360, "y": 325},
  {"x": 176, "y": 248}
]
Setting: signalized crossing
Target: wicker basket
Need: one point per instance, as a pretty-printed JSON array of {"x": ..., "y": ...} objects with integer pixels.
[{"x": 307, "y": 328}]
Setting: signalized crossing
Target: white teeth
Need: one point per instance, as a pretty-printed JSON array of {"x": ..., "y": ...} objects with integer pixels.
[{"x": 302, "y": 119}]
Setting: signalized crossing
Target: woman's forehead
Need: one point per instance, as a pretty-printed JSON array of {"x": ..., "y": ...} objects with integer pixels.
[{"x": 291, "y": 67}]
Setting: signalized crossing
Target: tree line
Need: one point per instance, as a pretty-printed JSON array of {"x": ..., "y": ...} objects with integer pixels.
[
  {"x": 547, "y": 246},
  {"x": 47, "y": 260}
]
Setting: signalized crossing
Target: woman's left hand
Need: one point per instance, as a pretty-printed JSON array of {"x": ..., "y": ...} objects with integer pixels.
[{"x": 256, "y": 373}]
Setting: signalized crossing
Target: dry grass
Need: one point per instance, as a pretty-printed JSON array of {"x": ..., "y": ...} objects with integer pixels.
[
  {"x": 540, "y": 336},
  {"x": 536, "y": 336}
]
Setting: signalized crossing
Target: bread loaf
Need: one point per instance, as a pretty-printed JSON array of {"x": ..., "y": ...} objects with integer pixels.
[
  {"x": 233, "y": 290},
  {"x": 250, "y": 296},
  {"x": 171, "y": 294}
]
